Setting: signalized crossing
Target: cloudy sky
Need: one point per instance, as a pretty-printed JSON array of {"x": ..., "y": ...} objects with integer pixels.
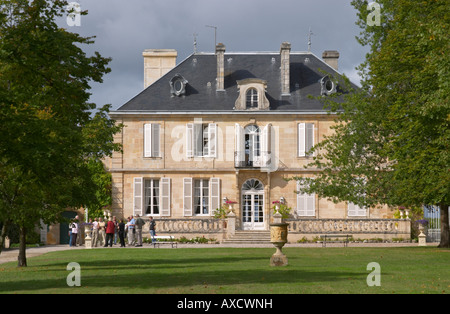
[{"x": 124, "y": 29}]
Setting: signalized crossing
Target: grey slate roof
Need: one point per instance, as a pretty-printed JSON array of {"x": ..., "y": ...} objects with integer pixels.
[{"x": 200, "y": 70}]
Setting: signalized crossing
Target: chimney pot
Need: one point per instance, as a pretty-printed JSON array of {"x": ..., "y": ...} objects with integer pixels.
[
  {"x": 220, "y": 55},
  {"x": 331, "y": 58},
  {"x": 157, "y": 62},
  {"x": 285, "y": 52}
]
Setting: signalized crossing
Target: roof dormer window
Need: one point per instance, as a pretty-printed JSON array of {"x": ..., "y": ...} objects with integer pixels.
[
  {"x": 252, "y": 95},
  {"x": 327, "y": 85},
  {"x": 178, "y": 85}
]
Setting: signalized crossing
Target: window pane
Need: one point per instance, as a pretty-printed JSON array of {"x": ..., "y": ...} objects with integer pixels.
[
  {"x": 197, "y": 196},
  {"x": 155, "y": 197}
]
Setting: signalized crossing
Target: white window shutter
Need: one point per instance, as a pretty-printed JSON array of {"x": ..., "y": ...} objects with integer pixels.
[
  {"x": 197, "y": 139},
  {"x": 309, "y": 136},
  {"x": 355, "y": 210},
  {"x": 300, "y": 201},
  {"x": 148, "y": 140},
  {"x": 187, "y": 197},
  {"x": 212, "y": 140},
  {"x": 155, "y": 145},
  {"x": 138, "y": 199},
  {"x": 165, "y": 197},
  {"x": 239, "y": 143},
  {"x": 310, "y": 201},
  {"x": 301, "y": 139},
  {"x": 189, "y": 140},
  {"x": 306, "y": 203},
  {"x": 351, "y": 209},
  {"x": 361, "y": 211},
  {"x": 214, "y": 194}
]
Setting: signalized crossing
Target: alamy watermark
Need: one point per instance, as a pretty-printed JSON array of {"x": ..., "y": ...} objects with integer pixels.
[
  {"x": 74, "y": 278},
  {"x": 374, "y": 17},
  {"x": 74, "y": 14},
  {"x": 374, "y": 278}
]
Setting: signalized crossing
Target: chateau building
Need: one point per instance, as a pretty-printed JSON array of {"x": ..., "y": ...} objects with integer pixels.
[{"x": 232, "y": 127}]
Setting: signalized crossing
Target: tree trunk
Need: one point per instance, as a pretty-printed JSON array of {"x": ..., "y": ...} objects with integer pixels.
[
  {"x": 3, "y": 235},
  {"x": 22, "y": 259},
  {"x": 445, "y": 231}
]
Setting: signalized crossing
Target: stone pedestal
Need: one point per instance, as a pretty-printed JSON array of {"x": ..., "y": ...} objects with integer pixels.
[
  {"x": 422, "y": 236},
  {"x": 87, "y": 239},
  {"x": 278, "y": 237},
  {"x": 422, "y": 239},
  {"x": 231, "y": 226}
]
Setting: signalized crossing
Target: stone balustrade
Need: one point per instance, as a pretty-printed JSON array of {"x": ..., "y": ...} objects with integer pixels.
[
  {"x": 225, "y": 228},
  {"x": 350, "y": 226},
  {"x": 181, "y": 225}
]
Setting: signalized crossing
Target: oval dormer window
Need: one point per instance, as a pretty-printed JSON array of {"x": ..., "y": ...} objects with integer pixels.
[
  {"x": 178, "y": 85},
  {"x": 328, "y": 87}
]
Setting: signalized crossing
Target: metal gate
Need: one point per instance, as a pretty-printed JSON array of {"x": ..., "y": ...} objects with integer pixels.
[{"x": 433, "y": 215}]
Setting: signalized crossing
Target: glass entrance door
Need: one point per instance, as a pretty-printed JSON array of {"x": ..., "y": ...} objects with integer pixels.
[{"x": 253, "y": 206}]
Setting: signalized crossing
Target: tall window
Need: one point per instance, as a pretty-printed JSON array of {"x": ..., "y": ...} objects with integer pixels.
[
  {"x": 201, "y": 139},
  {"x": 252, "y": 98},
  {"x": 201, "y": 197},
  {"x": 151, "y": 196},
  {"x": 152, "y": 140},
  {"x": 306, "y": 203},
  {"x": 305, "y": 139}
]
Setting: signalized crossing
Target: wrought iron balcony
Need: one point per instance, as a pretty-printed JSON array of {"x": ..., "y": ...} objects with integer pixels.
[{"x": 244, "y": 160}]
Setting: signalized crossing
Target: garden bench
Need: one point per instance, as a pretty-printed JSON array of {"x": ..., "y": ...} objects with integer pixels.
[
  {"x": 345, "y": 237},
  {"x": 170, "y": 238}
]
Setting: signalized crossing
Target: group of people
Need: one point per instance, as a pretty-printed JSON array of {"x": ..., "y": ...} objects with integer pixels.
[{"x": 106, "y": 233}]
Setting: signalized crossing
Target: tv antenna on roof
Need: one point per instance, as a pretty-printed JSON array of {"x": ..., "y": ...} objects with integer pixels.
[
  {"x": 195, "y": 42},
  {"x": 309, "y": 39},
  {"x": 215, "y": 34}
]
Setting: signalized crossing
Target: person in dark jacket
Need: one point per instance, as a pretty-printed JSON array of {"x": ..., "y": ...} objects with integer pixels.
[
  {"x": 152, "y": 229},
  {"x": 122, "y": 233}
]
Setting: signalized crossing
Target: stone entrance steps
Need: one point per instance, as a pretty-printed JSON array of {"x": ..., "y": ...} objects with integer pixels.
[{"x": 249, "y": 237}]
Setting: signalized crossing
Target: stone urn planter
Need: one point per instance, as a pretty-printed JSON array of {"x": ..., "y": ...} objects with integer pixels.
[
  {"x": 422, "y": 228},
  {"x": 87, "y": 239},
  {"x": 278, "y": 237}
]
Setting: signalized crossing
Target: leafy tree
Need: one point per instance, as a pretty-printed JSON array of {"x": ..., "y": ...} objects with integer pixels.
[
  {"x": 48, "y": 134},
  {"x": 391, "y": 139}
]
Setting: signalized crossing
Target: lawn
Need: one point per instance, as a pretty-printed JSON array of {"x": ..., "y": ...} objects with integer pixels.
[{"x": 235, "y": 271}]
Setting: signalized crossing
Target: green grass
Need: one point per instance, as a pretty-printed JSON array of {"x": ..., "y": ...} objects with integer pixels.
[{"x": 236, "y": 271}]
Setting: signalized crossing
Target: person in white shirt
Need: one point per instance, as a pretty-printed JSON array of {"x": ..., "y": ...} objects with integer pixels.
[{"x": 74, "y": 232}]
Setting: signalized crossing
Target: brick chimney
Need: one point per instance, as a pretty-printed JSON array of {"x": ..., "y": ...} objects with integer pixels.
[
  {"x": 157, "y": 62},
  {"x": 285, "y": 52},
  {"x": 331, "y": 58},
  {"x": 220, "y": 54}
]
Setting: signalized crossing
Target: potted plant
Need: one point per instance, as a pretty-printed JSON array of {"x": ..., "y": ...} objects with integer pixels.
[
  {"x": 221, "y": 213},
  {"x": 422, "y": 223},
  {"x": 281, "y": 209},
  {"x": 230, "y": 204}
]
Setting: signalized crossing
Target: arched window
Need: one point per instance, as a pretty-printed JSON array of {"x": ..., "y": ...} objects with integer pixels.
[{"x": 252, "y": 98}]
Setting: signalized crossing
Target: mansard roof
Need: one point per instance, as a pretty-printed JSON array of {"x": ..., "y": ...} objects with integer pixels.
[{"x": 200, "y": 95}]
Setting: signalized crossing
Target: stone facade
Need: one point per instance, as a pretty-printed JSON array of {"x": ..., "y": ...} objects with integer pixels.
[
  {"x": 174, "y": 164},
  {"x": 180, "y": 166}
]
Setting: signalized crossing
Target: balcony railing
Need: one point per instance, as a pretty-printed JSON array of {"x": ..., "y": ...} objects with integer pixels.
[{"x": 245, "y": 160}]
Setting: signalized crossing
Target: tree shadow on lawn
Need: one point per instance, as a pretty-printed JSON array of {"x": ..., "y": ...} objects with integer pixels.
[{"x": 155, "y": 274}]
